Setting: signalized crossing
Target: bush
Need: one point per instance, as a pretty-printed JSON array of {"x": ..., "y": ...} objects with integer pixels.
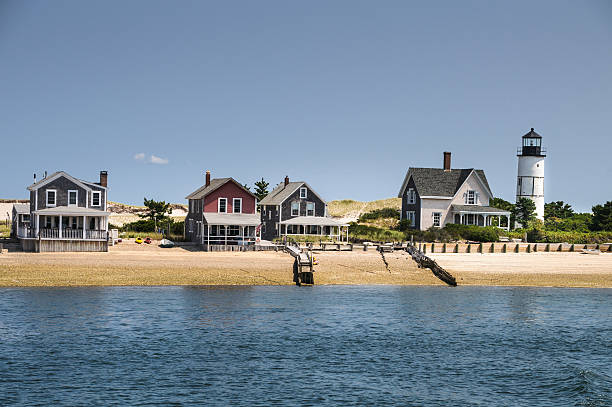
[
  {"x": 143, "y": 225},
  {"x": 371, "y": 233},
  {"x": 473, "y": 232},
  {"x": 379, "y": 214}
]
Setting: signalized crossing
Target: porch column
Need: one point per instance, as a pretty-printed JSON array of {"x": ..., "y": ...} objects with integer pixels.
[
  {"x": 37, "y": 223},
  {"x": 84, "y": 227},
  {"x": 225, "y": 234},
  {"x": 208, "y": 234},
  {"x": 60, "y": 227}
]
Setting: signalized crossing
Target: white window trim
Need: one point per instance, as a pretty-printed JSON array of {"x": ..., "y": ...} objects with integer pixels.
[
  {"x": 219, "y": 205},
  {"x": 303, "y": 195},
  {"x": 298, "y": 208},
  {"x": 413, "y": 220},
  {"x": 234, "y": 205},
  {"x": 314, "y": 208},
  {"x": 433, "y": 219},
  {"x": 411, "y": 196},
  {"x": 467, "y": 197},
  {"x": 94, "y": 193},
  {"x": 54, "y": 198},
  {"x": 77, "y": 197}
]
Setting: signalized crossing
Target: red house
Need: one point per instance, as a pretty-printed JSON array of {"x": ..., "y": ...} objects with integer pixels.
[{"x": 222, "y": 215}]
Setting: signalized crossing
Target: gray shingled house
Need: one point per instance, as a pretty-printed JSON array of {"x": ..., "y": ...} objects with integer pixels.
[
  {"x": 64, "y": 214},
  {"x": 295, "y": 209},
  {"x": 437, "y": 196}
]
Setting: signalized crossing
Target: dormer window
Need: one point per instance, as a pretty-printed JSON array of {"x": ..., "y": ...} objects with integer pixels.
[
  {"x": 303, "y": 193},
  {"x": 411, "y": 196},
  {"x": 470, "y": 197},
  {"x": 222, "y": 205},
  {"x": 73, "y": 197},
  {"x": 51, "y": 197},
  {"x": 96, "y": 198}
]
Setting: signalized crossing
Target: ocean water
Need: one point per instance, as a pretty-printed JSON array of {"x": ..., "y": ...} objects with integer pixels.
[{"x": 308, "y": 346}]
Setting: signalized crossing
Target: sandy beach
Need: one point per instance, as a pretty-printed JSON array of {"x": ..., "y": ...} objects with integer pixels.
[{"x": 132, "y": 264}]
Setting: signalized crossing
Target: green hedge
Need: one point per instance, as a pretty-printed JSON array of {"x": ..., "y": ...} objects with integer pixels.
[
  {"x": 546, "y": 236},
  {"x": 383, "y": 213},
  {"x": 372, "y": 233},
  {"x": 473, "y": 232}
]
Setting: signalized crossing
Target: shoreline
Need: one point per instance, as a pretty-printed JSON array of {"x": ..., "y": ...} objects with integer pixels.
[{"x": 129, "y": 264}]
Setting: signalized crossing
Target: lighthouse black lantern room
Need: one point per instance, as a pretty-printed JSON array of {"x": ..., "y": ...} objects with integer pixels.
[{"x": 532, "y": 144}]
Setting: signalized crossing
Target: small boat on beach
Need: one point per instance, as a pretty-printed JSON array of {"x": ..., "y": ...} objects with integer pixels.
[
  {"x": 165, "y": 243},
  {"x": 590, "y": 251},
  {"x": 138, "y": 240}
]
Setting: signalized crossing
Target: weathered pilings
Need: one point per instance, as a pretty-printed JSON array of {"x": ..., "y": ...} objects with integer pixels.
[{"x": 426, "y": 262}]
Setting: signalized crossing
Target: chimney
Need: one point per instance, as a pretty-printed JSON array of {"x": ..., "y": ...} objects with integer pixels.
[
  {"x": 207, "y": 178},
  {"x": 447, "y": 161},
  {"x": 103, "y": 178},
  {"x": 45, "y": 175},
  {"x": 35, "y": 178},
  {"x": 286, "y": 180}
]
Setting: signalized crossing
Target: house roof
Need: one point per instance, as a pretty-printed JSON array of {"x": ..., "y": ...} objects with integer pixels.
[
  {"x": 532, "y": 134},
  {"x": 71, "y": 210},
  {"x": 479, "y": 209},
  {"x": 239, "y": 219},
  {"x": 215, "y": 184},
  {"x": 438, "y": 182},
  {"x": 21, "y": 208},
  {"x": 57, "y": 174},
  {"x": 282, "y": 192},
  {"x": 313, "y": 220}
]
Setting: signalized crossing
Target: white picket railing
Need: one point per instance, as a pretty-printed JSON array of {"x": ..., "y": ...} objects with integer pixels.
[{"x": 67, "y": 234}]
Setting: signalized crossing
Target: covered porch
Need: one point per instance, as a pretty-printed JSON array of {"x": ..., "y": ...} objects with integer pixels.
[
  {"x": 67, "y": 223},
  {"x": 480, "y": 216},
  {"x": 314, "y": 226},
  {"x": 229, "y": 229}
]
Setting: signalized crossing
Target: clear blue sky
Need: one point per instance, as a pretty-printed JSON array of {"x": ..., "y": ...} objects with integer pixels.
[{"x": 345, "y": 95}]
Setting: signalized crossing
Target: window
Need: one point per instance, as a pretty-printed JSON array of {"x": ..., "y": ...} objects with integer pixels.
[
  {"x": 436, "y": 219},
  {"x": 48, "y": 222},
  {"x": 411, "y": 196},
  {"x": 95, "y": 198},
  {"x": 222, "y": 205},
  {"x": 470, "y": 197},
  {"x": 310, "y": 209},
  {"x": 263, "y": 228},
  {"x": 303, "y": 193},
  {"x": 270, "y": 215},
  {"x": 410, "y": 215},
  {"x": 51, "y": 195},
  {"x": 73, "y": 197},
  {"x": 295, "y": 209},
  {"x": 25, "y": 218},
  {"x": 237, "y": 206}
]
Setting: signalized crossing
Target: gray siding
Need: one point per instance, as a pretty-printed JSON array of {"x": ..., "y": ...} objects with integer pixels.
[
  {"x": 194, "y": 215},
  {"x": 412, "y": 207},
  {"x": 270, "y": 222},
  {"x": 62, "y": 185}
]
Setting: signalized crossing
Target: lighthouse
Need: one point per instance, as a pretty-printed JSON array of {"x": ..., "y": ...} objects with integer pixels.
[{"x": 530, "y": 180}]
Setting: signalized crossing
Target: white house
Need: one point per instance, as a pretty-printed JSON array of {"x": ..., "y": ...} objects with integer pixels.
[{"x": 437, "y": 196}]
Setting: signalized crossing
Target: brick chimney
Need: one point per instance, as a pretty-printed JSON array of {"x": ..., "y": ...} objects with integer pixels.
[
  {"x": 207, "y": 178},
  {"x": 104, "y": 178},
  {"x": 286, "y": 180},
  {"x": 447, "y": 161}
]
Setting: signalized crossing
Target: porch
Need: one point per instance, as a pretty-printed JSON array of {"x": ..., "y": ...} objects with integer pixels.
[
  {"x": 219, "y": 231},
  {"x": 66, "y": 223},
  {"x": 480, "y": 216},
  {"x": 314, "y": 226}
]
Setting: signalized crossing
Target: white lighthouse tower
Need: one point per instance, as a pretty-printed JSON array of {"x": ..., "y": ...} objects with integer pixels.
[{"x": 530, "y": 180}]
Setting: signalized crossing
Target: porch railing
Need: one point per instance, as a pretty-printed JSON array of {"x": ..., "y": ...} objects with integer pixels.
[{"x": 67, "y": 234}]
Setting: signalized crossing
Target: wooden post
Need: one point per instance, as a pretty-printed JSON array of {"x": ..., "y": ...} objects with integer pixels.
[
  {"x": 517, "y": 248},
  {"x": 456, "y": 247},
  {"x": 547, "y": 247},
  {"x": 505, "y": 248},
  {"x": 444, "y": 248},
  {"x": 528, "y": 248},
  {"x": 571, "y": 248},
  {"x": 469, "y": 248}
]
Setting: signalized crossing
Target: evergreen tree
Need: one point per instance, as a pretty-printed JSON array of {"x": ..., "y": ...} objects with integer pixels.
[
  {"x": 524, "y": 211},
  {"x": 156, "y": 210},
  {"x": 558, "y": 209},
  {"x": 261, "y": 189},
  {"x": 602, "y": 217}
]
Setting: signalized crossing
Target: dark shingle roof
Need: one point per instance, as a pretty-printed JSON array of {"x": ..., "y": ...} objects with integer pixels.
[
  {"x": 214, "y": 184},
  {"x": 280, "y": 193},
  {"x": 437, "y": 182},
  {"x": 532, "y": 134}
]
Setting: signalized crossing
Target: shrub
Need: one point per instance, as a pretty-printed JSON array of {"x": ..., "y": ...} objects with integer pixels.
[
  {"x": 380, "y": 213},
  {"x": 364, "y": 233},
  {"x": 143, "y": 225},
  {"x": 473, "y": 232}
]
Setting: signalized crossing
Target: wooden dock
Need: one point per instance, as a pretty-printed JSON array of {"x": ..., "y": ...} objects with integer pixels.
[
  {"x": 423, "y": 261},
  {"x": 302, "y": 265}
]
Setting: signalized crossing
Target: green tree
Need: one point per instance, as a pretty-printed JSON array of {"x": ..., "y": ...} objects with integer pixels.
[
  {"x": 506, "y": 206},
  {"x": 602, "y": 217},
  {"x": 524, "y": 211},
  {"x": 156, "y": 210},
  {"x": 558, "y": 209},
  {"x": 261, "y": 189}
]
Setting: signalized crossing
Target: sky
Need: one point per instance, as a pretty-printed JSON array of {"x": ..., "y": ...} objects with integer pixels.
[{"x": 345, "y": 95}]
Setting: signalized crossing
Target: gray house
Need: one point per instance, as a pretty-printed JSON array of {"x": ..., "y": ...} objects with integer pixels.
[
  {"x": 65, "y": 214},
  {"x": 295, "y": 209},
  {"x": 433, "y": 197}
]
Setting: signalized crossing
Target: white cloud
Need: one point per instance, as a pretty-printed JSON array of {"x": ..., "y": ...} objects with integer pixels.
[
  {"x": 139, "y": 156},
  {"x": 157, "y": 160}
]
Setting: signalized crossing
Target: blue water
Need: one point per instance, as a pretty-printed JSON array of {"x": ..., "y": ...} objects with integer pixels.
[{"x": 323, "y": 346}]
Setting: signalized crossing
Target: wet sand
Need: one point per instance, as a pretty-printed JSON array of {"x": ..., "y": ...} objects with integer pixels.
[{"x": 132, "y": 264}]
